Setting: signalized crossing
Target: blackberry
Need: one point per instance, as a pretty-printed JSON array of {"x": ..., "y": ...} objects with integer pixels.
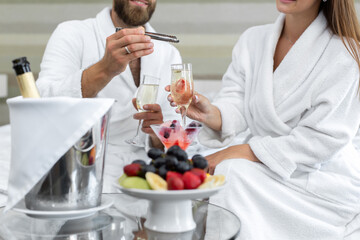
[
  {"x": 158, "y": 162},
  {"x": 166, "y": 134},
  {"x": 199, "y": 161},
  {"x": 145, "y": 169},
  {"x": 149, "y": 168},
  {"x": 162, "y": 171},
  {"x": 192, "y": 124},
  {"x": 195, "y": 124},
  {"x": 177, "y": 152},
  {"x": 155, "y": 153},
  {"x": 171, "y": 162},
  {"x": 173, "y": 124},
  {"x": 183, "y": 167},
  {"x": 139, "y": 161}
]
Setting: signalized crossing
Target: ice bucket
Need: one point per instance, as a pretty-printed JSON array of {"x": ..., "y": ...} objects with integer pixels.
[{"x": 75, "y": 181}]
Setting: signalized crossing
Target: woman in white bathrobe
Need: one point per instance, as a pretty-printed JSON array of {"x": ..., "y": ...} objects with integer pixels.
[{"x": 295, "y": 85}]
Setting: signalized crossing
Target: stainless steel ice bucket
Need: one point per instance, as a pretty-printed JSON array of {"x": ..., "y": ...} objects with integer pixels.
[{"x": 75, "y": 181}]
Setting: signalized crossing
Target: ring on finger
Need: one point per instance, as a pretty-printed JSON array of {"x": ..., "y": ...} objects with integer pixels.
[{"x": 127, "y": 50}]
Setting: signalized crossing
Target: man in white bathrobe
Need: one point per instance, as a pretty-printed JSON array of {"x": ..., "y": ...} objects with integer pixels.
[
  {"x": 295, "y": 85},
  {"x": 88, "y": 59}
]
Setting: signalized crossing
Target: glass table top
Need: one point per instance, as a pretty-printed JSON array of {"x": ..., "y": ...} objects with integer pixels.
[{"x": 123, "y": 220}]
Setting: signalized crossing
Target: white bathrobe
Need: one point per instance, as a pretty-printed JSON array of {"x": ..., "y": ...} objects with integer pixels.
[
  {"x": 75, "y": 46},
  {"x": 302, "y": 117}
]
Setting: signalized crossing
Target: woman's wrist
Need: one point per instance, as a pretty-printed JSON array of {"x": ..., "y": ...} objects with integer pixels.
[
  {"x": 243, "y": 151},
  {"x": 213, "y": 118}
]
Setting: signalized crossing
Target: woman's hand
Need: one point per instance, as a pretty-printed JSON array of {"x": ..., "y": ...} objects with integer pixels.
[
  {"x": 201, "y": 110},
  {"x": 153, "y": 116},
  {"x": 237, "y": 151}
]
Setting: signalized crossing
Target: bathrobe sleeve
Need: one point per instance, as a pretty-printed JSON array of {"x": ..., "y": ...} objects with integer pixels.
[
  {"x": 61, "y": 68},
  {"x": 230, "y": 101},
  {"x": 323, "y": 130}
]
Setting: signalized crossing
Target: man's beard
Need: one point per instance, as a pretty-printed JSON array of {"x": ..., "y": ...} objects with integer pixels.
[{"x": 133, "y": 15}]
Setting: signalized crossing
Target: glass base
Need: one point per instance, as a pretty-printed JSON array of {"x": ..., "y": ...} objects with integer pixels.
[{"x": 135, "y": 142}]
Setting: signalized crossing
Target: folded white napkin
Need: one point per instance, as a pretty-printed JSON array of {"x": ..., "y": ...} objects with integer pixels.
[
  {"x": 5, "y": 147},
  {"x": 3, "y": 198},
  {"x": 42, "y": 130}
]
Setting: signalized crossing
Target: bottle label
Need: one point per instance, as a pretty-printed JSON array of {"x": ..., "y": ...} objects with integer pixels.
[{"x": 27, "y": 85}]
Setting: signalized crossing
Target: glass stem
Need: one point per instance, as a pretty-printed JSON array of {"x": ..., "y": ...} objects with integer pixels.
[
  {"x": 137, "y": 131},
  {"x": 183, "y": 111}
]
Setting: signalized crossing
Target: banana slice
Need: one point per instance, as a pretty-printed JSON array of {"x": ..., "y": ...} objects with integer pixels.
[
  {"x": 155, "y": 181},
  {"x": 213, "y": 181}
]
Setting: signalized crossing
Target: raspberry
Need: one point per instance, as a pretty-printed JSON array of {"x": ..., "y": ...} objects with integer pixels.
[
  {"x": 181, "y": 85},
  {"x": 190, "y": 131}
]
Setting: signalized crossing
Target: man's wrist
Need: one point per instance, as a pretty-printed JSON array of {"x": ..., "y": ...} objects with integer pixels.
[
  {"x": 94, "y": 79},
  {"x": 155, "y": 142}
]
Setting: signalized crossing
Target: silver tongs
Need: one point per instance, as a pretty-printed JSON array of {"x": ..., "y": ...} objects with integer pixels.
[{"x": 158, "y": 36}]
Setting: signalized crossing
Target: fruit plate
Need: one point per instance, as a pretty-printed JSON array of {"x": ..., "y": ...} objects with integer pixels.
[
  {"x": 171, "y": 195},
  {"x": 170, "y": 211}
]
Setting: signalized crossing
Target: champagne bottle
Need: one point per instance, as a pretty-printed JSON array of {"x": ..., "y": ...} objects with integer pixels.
[{"x": 25, "y": 78}]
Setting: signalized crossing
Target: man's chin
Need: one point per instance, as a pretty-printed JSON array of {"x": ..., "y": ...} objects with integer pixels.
[{"x": 138, "y": 18}]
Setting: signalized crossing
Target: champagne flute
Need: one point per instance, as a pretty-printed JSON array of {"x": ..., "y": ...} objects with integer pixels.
[
  {"x": 146, "y": 94},
  {"x": 182, "y": 87}
]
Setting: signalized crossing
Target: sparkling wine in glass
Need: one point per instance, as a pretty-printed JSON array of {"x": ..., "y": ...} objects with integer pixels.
[
  {"x": 146, "y": 94},
  {"x": 182, "y": 87}
]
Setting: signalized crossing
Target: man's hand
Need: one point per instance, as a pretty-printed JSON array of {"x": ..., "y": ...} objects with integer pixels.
[
  {"x": 115, "y": 59},
  {"x": 153, "y": 116}
]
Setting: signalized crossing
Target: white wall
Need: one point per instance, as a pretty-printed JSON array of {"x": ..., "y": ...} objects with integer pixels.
[{"x": 207, "y": 31}]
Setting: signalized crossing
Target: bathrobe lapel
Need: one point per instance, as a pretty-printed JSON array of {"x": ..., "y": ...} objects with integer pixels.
[
  {"x": 272, "y": 89},
  {"x": 301, "y": 59},
  {"x": 149, "y": 62}
]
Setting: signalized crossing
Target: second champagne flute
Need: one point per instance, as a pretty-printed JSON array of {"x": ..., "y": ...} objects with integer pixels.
[
  {"x": 182, "y": 87},
  {"x": 147, "y": 94}
]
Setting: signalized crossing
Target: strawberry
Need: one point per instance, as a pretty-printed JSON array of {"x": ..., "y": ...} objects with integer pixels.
[
  {"x": 185, "y": 89},
  {"x": 191, "y": 181},
  {"x": 180, "y": 86},
  {"x": 200, "y": 173},
  {"x": 175, "y": 183},
  {"x": 132, "y": 169},
  {"x": 170, "y": 174}
]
